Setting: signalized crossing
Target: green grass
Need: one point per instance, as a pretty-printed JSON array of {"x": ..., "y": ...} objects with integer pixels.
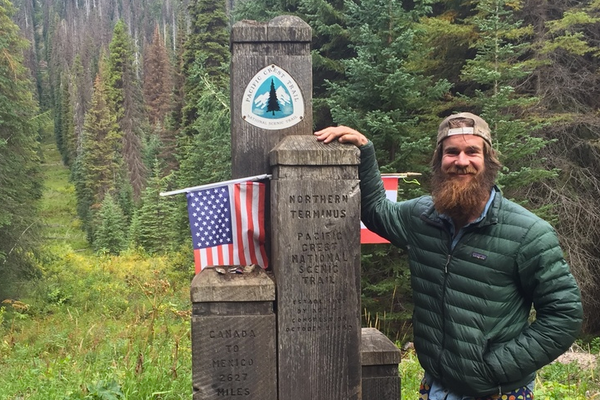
[
  {"x": 58, "y": 203},
  {"x": 99, "y": 328},
  {"x": 94, "y": 327}
]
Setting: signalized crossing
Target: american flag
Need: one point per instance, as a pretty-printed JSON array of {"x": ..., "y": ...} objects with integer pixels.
[
  {"x": 390, "y": 184},
  {"x": 227, "y": 225}
]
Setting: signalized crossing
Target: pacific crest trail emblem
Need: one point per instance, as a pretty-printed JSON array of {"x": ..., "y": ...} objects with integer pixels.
[{"x": 272, "y": 100}]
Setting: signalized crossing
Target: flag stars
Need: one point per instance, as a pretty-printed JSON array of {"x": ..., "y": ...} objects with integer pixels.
[{"x": 210, "y": 208}]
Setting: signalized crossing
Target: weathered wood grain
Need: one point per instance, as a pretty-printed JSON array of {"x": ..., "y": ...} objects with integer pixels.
[
  {"x": 233, "y": 336},
  {"x": 285, "y": 42},
  {"x": 379, "y": 359},
  {"x": 316, "y": 261}
]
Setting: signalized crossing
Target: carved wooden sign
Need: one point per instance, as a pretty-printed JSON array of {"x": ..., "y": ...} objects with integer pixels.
[
  {"x": 316, "y": 260},
  {"x": 233, "y": 336}
]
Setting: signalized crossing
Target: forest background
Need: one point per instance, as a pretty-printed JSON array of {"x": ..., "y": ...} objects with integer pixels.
[{"x": 135, "y": 96}]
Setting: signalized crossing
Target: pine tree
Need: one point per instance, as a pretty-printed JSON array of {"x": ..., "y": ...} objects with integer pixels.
[
  {"x": 98, "y": 170},
  {"x": 205, "y": 156},
  {"x": 125, "y": 100},
  {"x": 383, "y": 95},
  {"x": 20, "y": 181},
  {"x": 331, "y": 44},
  {"x": 273, "y": 102},
  {"x": 158, "y": 82},
  {"x": 208, "y": 41},
  {"x": 175, "y": 119},
  {"x": 496, "y": 68},
  {"x": 158, "y": 90},
  {"x": 206, "y": 52},
  {"x": 82, "y": 89},
  {"x": 110, "y": 235},
  {"x": 153, "y": 226},
  {"x": 203, "y": 140},
  {"x": 565, "y": 80},
  {"x": 388, "y": 98},
  {"x": 67, "y": 127},
  {"x": 58, "y": 123}
]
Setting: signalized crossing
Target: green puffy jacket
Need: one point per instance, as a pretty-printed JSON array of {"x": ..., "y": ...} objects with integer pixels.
[{"x": 472, "y": 300}]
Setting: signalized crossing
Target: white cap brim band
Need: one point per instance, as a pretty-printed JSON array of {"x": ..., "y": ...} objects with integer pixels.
[{"x": 467, "y": 130}]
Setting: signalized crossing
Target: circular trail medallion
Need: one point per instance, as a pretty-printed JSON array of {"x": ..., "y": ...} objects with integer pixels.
[{"x": 272, "y": 100}]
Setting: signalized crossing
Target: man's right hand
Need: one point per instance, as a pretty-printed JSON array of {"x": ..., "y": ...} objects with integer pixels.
[{"x": 343, "y": 134}]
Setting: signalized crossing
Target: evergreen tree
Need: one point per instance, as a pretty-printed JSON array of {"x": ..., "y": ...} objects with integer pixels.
[
  {"x": 386, "y": 96},
  {"x": 383, "y": 94},
  {"x": 205, "y": 156},
  {"x": 153, "y": 226},
  {"x": 273, "y": 102},
  {"x": 20, "y": 181},
  {"x": 203, "y": 140},
  {"x": 110, "y": 236},
  {"x": 497, "y": 68},
  {"x": 331, "y": 44},
  {"x": 265, "y": 10},
  {"x": 175, "y": 119},
  {"x": 82, "y": 89},
  {"x": 565, "y": 80},
  {"x": 125, "y": 98},
  {"x": 206, "y": 51},
  {"x": 67, "y": 127},
  {"x": 446, "y": 42},
  {"x": 208, "y": 40},
  {"x": 98, "y": 169},
  {"x": 158, "y": 82},
  {"x": 58, "y": 123},
  {"x": 158, "y": 89}
]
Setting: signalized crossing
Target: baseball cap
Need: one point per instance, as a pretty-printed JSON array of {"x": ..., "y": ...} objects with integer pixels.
[{"x": 479, "y": 128}]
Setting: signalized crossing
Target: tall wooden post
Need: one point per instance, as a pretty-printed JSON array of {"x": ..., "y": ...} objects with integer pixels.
[
  {"x": 315, "y": 209},
  {"x": 271, "y": 89}
]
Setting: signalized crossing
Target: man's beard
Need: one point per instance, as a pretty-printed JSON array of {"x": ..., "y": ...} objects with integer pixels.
[{"x": 462, "y": 201}]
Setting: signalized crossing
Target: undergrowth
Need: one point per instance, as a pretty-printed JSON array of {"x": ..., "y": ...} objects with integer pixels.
[{"x": 99, "y": 328}]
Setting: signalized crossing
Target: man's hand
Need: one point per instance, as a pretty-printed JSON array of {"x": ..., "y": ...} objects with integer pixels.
[{"x": 343, "y": 134}]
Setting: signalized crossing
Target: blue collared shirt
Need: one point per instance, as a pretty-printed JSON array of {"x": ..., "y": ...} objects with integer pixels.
[{"x": 456, "y": 237}]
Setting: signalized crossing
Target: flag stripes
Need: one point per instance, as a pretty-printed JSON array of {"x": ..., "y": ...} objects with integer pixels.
[
  {"x": 390, "y": 184},
  {"x": 227, "y": 225}
]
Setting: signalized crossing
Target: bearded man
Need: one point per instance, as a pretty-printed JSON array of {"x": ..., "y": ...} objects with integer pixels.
[{"x": 478, "y": 263}]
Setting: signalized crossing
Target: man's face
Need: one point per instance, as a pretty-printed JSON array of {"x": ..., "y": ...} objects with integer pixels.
[
  {"x": 462, "y": 185},
  {"x": 463, "y": 157}
]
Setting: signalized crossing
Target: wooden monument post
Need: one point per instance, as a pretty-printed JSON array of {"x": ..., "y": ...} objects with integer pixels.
[
  {"x": 315, "y": 211},
  {"x": 310, "y": 348}
]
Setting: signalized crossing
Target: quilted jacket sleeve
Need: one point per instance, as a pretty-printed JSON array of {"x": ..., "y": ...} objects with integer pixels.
[
  {"x": 380, "y": 215},
  {"x": 545, "y": 276}
]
